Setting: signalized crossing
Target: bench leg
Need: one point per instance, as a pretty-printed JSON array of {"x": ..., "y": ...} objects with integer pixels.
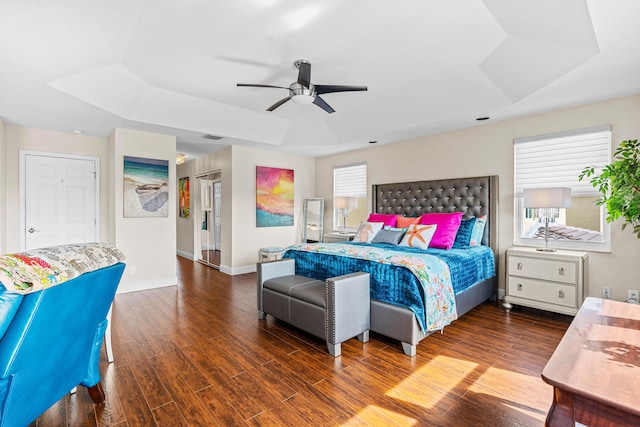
[
  {"x": 364, "y": 337},
  {"x": 262, "y": 315},
  {"x": 409, "y": 350},
  {"x": 334, "y": 349}
]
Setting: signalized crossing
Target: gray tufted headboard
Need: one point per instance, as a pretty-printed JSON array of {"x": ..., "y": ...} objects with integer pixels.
[{"x": 474, "y": 196}]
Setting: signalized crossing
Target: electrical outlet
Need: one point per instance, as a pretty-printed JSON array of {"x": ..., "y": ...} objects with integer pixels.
[
  {"x": 132, "y": 270},
  {"x": 633, "y": 296},
  {"x": 606, "y": 292}
]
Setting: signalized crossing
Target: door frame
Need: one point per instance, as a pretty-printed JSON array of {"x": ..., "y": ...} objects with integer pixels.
[{"x": 22, "y": 188}]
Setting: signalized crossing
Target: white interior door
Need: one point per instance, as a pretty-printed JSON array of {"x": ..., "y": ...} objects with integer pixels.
[{"x": 61, "y": 200}]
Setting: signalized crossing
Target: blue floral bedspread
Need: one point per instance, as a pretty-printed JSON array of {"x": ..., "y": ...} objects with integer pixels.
[
  {"x": 419, "y": 281},
  {"x": 467, "y": 265}
]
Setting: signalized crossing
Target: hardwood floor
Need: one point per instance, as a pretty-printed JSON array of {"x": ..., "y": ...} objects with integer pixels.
[{"x": 196, "y": 354}]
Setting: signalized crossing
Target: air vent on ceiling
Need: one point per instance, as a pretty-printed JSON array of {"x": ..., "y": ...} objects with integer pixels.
[{"x": 214, "y": 137}]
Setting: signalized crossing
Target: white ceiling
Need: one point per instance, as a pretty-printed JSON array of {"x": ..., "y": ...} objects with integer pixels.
[{"x": 171, "y": 66}]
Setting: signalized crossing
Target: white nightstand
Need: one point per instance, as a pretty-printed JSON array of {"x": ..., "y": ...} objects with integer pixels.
[
  {"x": 553, "y": 281},
  {"x": 338, "y": 236}
]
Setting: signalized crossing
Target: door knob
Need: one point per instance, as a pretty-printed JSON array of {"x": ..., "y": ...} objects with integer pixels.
[{"x": 32, "y": 230}]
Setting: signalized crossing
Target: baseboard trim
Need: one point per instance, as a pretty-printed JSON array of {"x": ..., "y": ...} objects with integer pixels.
[
  {"x": 186, "y": 255},
  {"x": 144, "y": 285},
  {"x": 237, "y": 270}
]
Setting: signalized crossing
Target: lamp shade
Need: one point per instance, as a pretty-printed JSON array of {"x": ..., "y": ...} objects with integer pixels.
[
  {"x": 555, "y": 197},
  {"x": 345, "y": 202}
]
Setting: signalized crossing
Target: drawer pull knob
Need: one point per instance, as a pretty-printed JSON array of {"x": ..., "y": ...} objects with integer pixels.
[
  {"x": 519, "y": 286},
  {"x": 519, "y": 266},
  {"x": 560, "y": 294},
  {"x": 561, "y": 271}
]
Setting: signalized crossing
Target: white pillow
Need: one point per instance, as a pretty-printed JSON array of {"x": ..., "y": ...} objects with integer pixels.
[
  {"x": 367, "y": 231},
  {"x": 419, "y": 235}
]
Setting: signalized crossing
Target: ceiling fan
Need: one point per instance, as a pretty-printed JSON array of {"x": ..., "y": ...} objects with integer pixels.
[{"x": 303, "y": 92}]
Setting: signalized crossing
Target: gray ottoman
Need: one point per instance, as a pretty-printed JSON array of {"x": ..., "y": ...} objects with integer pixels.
[{"x": 335, "y": 310}]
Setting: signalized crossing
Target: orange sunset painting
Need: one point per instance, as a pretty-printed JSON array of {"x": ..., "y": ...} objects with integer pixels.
[{"x": 274, "y": 197}]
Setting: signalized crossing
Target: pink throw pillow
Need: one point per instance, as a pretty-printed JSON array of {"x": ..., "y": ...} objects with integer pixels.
[
  {"x": 448, "y": 224},
  {"x": 386, "y": 219}
]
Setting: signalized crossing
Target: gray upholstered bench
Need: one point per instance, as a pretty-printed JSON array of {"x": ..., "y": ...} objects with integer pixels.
[{"x": 335, "y": 310}]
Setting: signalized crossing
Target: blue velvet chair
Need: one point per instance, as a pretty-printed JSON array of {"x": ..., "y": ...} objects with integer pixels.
[{"x": 50, "y": 342}]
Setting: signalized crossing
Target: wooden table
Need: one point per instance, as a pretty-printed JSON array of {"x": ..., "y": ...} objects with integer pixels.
[{"x": 595, "y": 370}]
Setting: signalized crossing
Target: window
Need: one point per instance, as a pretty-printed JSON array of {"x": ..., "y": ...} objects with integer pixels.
[
  {"x": 349, "y": 182},
  {"x": 556, "y": 160}
]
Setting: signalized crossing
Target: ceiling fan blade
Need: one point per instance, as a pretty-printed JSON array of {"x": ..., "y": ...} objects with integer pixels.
[
  {"x": 322, "y": 104},
  {"x": 320, "y": 89},
  {"x": 279, "y": 103},
  {"x": 304, "y": 74},
  {"x": 256, "y": 85}
]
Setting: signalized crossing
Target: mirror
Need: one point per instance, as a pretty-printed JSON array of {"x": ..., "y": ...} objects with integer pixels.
[
  {"x": 210, "y": 216},
  {"x": 313, "y": 220}
]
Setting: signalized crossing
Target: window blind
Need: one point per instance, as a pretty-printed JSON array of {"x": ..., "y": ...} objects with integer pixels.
[
  {"x": 557, "y": 160},
  {"x": 350, "y": 181}
]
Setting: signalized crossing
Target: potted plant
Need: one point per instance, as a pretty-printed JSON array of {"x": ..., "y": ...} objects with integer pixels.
[{"x": 619, "y": 184}]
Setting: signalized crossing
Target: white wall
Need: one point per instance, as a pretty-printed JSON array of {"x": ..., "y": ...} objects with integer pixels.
[
  {"x": 20, "y": 138},
  {"x": 488, "y": 150},
  {"x": 185, "y": 236},
  {"x": 241, "y": 239},
  {"x": 3, "y": 205},
  {"x": 148, "y": 243},
  {"x": 247, "y": 238}
]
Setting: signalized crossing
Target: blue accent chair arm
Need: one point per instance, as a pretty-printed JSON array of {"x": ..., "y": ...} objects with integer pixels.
[{"x": 52, "y": 344}]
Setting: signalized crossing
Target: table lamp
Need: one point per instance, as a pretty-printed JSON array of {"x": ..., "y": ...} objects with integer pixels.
[
  {"x": 345, "y": 204},
  {"x": 545, "y": 203}
]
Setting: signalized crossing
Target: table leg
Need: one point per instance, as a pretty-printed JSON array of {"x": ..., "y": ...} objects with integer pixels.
[{"x": 561, "y": 413}]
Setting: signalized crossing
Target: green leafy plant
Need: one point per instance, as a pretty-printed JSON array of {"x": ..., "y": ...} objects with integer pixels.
[{"x": 619, "y": 184}]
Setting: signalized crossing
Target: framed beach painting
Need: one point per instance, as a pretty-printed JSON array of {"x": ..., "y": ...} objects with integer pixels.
[
  {"x": 274, "y": 197},
  {"x": 146, "y": 187},
  {"x": 183, "y": 197}
]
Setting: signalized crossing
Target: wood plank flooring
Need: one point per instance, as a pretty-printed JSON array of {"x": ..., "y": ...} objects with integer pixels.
[{"x": 196, "y": 355}]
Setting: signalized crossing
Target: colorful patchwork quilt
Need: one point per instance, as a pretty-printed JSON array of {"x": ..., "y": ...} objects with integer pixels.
[{"x": 43, "y": 268}]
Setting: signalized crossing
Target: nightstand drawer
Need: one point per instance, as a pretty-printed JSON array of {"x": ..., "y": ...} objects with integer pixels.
[
  {"x": 537, "y": 290},
  {"x": 543, "y": 269},
  {"x": 337, "y": 237}
]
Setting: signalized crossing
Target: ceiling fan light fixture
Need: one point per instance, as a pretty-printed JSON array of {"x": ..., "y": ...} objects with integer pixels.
[
  {"x": 302, "y": 95},
  {"x": 302, "y": 99},
  {"x": 302, "y": 92}
]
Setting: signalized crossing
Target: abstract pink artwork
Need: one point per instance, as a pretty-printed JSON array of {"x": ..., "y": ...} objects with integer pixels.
[{"x": 274, "y": 197}]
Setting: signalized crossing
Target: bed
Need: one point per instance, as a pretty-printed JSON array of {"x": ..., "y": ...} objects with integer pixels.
[{"x": 399, "y": 319}]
